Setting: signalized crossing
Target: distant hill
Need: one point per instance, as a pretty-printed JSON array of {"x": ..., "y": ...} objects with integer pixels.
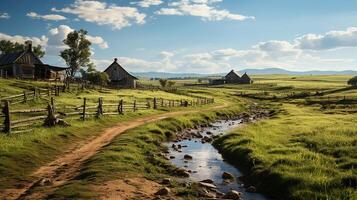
[
  {"x": 287, "y": 72},
  {"x": 168, "y": 75},
  {"x": 248, "y": 71}
]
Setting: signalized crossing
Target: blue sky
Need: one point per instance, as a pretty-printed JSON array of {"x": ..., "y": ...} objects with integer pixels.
[{"x": 205, "y": 36}]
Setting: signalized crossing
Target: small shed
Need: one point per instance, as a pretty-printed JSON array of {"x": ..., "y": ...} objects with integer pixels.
[
  {"x": 232, "y": 77},
  {"x": 217, "y": 81},
  {"x": 245, "y": 79},
  {"x": 119, "y": 77},
  {"x": 26, "y": 65}
]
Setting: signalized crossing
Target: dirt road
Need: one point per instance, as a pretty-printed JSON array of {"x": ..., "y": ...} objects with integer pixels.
[{"x": 49, "y": 177}]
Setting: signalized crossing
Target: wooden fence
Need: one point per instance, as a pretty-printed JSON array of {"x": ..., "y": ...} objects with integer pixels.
[
  {"x": 51, "y": 114},
  {"x": 331, "y": 100},
  {"x": 32, "y": 95}
]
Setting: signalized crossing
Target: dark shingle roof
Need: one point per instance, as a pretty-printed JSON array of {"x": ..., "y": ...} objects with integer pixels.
[{"x": 10, "y": 57}]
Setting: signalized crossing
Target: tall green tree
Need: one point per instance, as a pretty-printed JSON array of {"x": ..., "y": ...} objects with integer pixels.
[
  {"x": 78, "y": 54},
  {"x": 7, "y": 46}
]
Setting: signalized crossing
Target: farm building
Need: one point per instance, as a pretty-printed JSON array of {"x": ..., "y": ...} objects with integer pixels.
[
  {"x": 245, "y": 79},
  {"x": 119, "y": 77},
  {"x": 234, "y": 78},
  {"x": 26, "y": 65}
]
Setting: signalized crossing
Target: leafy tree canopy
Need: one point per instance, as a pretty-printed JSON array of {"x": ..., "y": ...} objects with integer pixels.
[
  {"x": 78, "y": 53},
  {"x": 7, "y": 46}
]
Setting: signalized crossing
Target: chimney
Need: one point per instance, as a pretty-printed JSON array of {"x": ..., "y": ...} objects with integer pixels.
[
  {"x": 115, "y": 59},
  {"x": 28, "y": 44}
]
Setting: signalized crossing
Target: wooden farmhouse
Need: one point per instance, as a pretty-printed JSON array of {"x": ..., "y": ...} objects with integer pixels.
[
  {"x": 26, "y": 65},
  {"x": 245, "y": 79},
  {"x": 119, "y": 77},
  {"x": 234, "y": 78}
]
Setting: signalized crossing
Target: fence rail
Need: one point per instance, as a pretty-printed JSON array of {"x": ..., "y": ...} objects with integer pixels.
[
  {"x": 26, "y": 96},
  {"x": 332, "y": 100},
  {"x": 51, "y": 115}
]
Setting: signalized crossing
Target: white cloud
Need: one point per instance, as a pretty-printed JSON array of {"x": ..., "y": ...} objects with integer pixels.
[
  {"x": 103, "y": 14},
  {"x": 98, "y": 41},
  {"x": 168, "y": 11},
  {"x": 46, "y": 17},
  {"x": 200, "y": 8},
  {"x": 166, "y": 54},
  {"x": 148, "y": 3},
  {"x": 4, "y": 16},
  {"x": 57, "y": 35},
  {"x": 22, "y": 39},
  {"x": 135, "y": 64},
  {"x": 329, "y": 40},
  {"x": 53, "y": 41}
]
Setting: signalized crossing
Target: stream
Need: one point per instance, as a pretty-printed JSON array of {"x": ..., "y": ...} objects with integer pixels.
[{"x": 207, "y": 162}]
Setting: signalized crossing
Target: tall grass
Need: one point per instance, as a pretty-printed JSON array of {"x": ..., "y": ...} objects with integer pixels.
[{"x": 301, "y": 154}]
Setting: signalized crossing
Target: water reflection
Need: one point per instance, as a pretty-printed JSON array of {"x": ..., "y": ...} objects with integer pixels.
[{"x": 207, "y": 163}]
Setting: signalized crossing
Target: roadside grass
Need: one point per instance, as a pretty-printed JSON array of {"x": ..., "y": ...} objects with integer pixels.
[
  {"x": 20, "y": 154},
  {"x": 138, "y": 153},
  {"x": 300, "y": 154}
]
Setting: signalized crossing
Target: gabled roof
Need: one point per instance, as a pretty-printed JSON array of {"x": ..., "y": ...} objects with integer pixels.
[
  {"x": 245, "y": 75},
  {"x": 234, "y": 72},
  {"x": 11, "y": 58},
  {"x": 116, "y": 64}
]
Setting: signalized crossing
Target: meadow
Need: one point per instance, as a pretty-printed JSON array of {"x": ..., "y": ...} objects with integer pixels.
[{"x": 306, "y": 151}]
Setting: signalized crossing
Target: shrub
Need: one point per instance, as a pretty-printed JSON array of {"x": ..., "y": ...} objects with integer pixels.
[
  {"x": 163, "y": 82},
  {"x": 98, "y": 78},
  {"x": 352, "y": 81}
]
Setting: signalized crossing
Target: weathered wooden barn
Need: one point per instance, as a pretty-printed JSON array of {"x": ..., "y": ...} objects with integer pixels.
[
  {"x": 245, "y": 79},
  {"x": 119, "y": 77},
  {"x": 26, "y": 65},
  {"x": 232, "y": 77}
]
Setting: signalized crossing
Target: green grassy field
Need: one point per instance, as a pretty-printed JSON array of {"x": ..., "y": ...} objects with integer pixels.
[
  {"x": 22, "y": 153},
  {"x": 305, "y": 152}
]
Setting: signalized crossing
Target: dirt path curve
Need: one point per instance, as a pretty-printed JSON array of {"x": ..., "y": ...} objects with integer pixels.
[{"x": 49, "y": 177}]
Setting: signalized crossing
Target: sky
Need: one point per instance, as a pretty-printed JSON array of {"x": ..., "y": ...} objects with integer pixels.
[{"x": 198, "y": 36}]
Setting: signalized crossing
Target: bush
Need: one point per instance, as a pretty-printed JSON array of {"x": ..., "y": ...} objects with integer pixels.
[
  {"x": 163, "y": 82},
  {"x": 352, "y": 81},
  {"x": 98, "y": 78}
]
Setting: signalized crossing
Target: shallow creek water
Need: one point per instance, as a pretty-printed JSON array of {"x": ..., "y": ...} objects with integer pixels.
[{"x": 207, "y": 163}]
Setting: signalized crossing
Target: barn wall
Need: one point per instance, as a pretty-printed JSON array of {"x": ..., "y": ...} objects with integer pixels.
[
  {"x": 119, "y": 77},
  {"x": 232, "y": 78}
]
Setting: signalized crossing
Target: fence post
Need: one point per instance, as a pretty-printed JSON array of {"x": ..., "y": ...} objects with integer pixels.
[
  {"x": 100, "y": 107},
  {"x": 84, "y": 108},
  {"x": 7, "y": 121},
  {"x": 57, "y": 91},
  {"x": 25, "y": 97},
  {"x": 34, "y": 94},
  {"x": 134, "y": 106},
  {"x": 53, "y": 104},
  {"x": 120, "y": 107},
  {"x": 51, "y": 118},
  {"x": 148, "y": 106},
  {"x": 155, "y": 103},
  {"x": 162, "y": 102},
  {"x": 49, "y": 92}
]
